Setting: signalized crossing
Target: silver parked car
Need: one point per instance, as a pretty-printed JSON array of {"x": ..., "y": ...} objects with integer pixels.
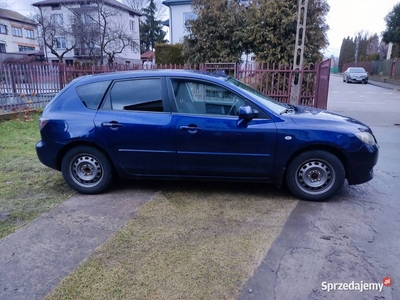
[{"x": 354, "y": 74}]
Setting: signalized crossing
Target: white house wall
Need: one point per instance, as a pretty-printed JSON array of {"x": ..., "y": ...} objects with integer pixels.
[
  {"x": 47, "y": 12},
  {"x": 128, "y": 55},
  {"x": 177, "y": 25},
  {"x": 124, "y": 18}
]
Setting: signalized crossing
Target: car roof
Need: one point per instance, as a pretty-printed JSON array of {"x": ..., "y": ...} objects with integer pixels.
[{"x": 150, "y": 73}]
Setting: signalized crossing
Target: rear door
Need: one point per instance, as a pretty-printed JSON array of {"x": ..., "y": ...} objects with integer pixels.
[{"x": 135, "y": 126}]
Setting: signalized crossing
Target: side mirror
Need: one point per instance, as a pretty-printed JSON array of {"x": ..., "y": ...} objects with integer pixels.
[{"x": 247, "y": 113}]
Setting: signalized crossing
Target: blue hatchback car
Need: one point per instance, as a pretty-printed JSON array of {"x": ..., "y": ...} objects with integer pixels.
[{"x": 190, "y": 125}]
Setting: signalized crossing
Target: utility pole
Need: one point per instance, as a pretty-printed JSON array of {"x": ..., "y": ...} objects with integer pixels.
[{"x": 299, "y": 51}]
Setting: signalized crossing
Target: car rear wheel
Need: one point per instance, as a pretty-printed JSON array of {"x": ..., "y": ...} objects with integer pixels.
[
  {"x": 87, "y": 170},
  {"x": 315, "y": 175}
]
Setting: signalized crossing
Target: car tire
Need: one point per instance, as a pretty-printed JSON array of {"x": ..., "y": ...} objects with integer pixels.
[
  {"x": 315, "y": 175},
  {"x": 87, "y": 170}
]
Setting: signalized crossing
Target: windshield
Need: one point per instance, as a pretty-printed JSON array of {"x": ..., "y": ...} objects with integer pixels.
[
  {"x": 357, "y": 70},
  {"x": 270, "y": 103}
]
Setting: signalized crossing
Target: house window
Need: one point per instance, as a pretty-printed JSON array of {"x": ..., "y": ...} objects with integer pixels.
[
  {"x": 69, "y": 62},
  {"x": 25, "y": 48},
  {"x": 16, "y": 31},
  {"x": 3, "y": 29},
  {"x": 29, "y": 34},
  {"x": 56, "y": 7},
  {"x": 132, "y": 25},
  {"x": 60, "y": 43},
  {"x": 89, "y": 18},
  {"x": 133, "y": 48},
  {"x": 2, "y": 48},
  {"x": 187, "y": 17},
  {"x": 57, "y": 19}
]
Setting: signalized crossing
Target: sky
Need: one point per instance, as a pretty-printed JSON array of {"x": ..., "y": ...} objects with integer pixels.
[{"x": 346, "y": 18}]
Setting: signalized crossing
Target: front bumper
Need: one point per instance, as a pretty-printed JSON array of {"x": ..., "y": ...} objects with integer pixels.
[
  {"x": 361, "y": 80},
  {"x": 361, "y": 164}
]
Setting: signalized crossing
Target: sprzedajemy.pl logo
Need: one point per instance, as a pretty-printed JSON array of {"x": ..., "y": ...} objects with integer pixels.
[{"x": 356, "y": 286}]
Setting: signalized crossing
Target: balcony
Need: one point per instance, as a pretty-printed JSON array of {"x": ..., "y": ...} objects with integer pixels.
[{"x": 86, "y": 52}]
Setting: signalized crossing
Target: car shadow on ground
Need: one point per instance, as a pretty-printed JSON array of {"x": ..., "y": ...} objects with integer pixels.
[{"x": 209, "y": 187}]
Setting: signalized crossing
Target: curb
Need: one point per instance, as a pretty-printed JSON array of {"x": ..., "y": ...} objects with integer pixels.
[{"x": 385, "y": 86}]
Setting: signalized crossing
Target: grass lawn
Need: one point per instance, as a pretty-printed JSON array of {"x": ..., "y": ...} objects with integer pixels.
[
  {"x": 27, "y": 188},
  {"x": 192, "y": 241}
]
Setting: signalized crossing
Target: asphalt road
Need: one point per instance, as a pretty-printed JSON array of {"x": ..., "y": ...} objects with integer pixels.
[{"x": 354, "y": 238}]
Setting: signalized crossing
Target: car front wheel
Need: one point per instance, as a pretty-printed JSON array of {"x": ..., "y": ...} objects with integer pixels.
[
  {"x": 87, "y": 170},
  {"x": 315, "y": 175}
]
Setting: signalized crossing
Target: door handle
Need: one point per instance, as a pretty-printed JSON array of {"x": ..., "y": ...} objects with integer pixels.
[
  {"x": 190, "y": 128},
  {"x": 112, "y": 124}
]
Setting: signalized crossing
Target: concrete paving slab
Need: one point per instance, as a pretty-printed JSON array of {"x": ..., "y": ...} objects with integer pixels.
[{"x": 36, "y": 257}]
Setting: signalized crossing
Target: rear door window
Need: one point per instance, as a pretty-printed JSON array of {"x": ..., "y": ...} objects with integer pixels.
[
  {"x": 91, "y": 94},
  {"x": 136, "y": 95}
]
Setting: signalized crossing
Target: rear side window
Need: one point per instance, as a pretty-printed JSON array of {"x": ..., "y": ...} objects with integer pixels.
[
  {"x": 139, "y": 95},
  {"x": 92, "y": 93}
]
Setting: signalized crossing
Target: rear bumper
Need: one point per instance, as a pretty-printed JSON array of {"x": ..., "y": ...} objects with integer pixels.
[
  {"x": 361, "y": 164},
  {"x": 47, "y": 154}
]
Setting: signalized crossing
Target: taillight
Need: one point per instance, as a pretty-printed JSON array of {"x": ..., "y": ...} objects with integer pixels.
[{"x": 43, "y": 122}]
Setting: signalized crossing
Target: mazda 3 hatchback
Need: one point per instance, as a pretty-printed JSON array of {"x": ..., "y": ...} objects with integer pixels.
[{"x": 190, "y": 125}]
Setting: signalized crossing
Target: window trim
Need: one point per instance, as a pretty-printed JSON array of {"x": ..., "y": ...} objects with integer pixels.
[
  {"x": 61, "y": 44},
  {"x": 5, "y": 48},
  {"x": 16, "y": 30},
  {"x": 56, "y": 22},
  {"x": 25, "y": 48},
  {"x": 132, "y": 25},
  {"x": 30, "y": 31},
  {"x": 5, "y": 29}
]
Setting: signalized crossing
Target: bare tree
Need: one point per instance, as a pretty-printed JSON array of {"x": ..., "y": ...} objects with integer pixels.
[
  {"x": 57, "y": 35},
  {"x": 101, "y": 31},
  {"x": 136, "y": 4},
  {"x": 139, "y": 5},
  {"x": 115, "y": 43}
]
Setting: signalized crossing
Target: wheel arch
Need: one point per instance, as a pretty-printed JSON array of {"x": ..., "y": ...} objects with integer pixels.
[
  {"x": 74, "y": 144},
  {"x": 326, "y": 148}
]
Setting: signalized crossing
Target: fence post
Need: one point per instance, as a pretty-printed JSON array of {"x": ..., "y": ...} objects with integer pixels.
[{"x": 316, "y": 85}]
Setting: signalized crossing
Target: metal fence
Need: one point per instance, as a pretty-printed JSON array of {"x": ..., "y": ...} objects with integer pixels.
[
  {"x": 27, "y": 86},
  {"x": 276, "y": 81},
  {"x": 32, "y": 86}
]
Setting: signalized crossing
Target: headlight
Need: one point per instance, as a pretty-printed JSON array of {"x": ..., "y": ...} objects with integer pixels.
[{"x": 366, "y": 138}]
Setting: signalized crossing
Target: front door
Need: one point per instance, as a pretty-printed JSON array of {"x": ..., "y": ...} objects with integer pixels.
[{"x": 210, "y": 140}]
